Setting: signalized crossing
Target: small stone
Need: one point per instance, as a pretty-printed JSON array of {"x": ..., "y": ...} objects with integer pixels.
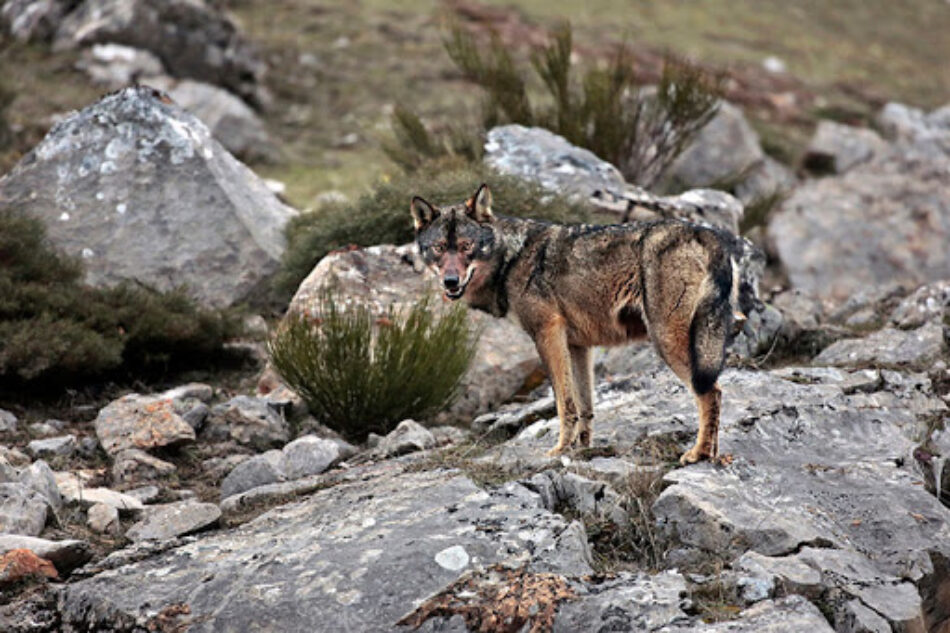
[
  {"x": 13, "y": 456},
  {"x": 88, "y": 446},
  {"x": 174, "y": 519},
  {"x": 8, "y": 422},
  {"x": 133, "y": 465},
  {"x": 449, "y": 435},
  {"x": 143, "y": 422},
  {"x": 248, "y": 421},
  {"x": 196, "y": 415},
  {"x": 62, "y": 446},
  {"x": 309, "y": 455},
  {"x": 104, "y": 519},
  {"x": 42, "y": 429},
  {"x": 453, "y": 558},
  {"x": 193, "y": 390},
  {"x": 8, "y": 474},
  {"x": 256, "y": 471},
  {"x": 22, "y": 510},
  {"x": 145, "y": 494},
  {"x": 409, "y": 436},
  {"x": 39, "y": 477}
]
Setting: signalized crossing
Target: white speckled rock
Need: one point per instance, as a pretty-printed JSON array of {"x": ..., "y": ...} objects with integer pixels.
[{"x": 118, "y": 184}]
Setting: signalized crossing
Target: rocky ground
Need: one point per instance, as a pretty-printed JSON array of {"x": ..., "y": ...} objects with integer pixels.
[{"x": 223, "y": 505}]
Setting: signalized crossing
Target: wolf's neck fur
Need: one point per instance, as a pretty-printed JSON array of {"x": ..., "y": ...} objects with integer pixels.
[{"x": 511, "y": 235}]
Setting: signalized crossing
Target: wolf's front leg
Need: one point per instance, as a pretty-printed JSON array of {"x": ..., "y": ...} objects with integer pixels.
[
  {"x": 551, "y": 341},
  {"x": 582, "y": 364}
]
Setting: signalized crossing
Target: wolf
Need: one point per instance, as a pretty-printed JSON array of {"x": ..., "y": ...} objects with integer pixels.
[{"x": 571, "y": 287}]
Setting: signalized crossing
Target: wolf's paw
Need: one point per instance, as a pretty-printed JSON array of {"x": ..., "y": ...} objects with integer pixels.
[
  {"x": 695, "y": 454},
  {"x": 558, "y": 451}
]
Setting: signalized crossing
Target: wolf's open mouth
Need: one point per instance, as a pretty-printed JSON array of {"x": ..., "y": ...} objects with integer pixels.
[{"x": 455, "y": 294}]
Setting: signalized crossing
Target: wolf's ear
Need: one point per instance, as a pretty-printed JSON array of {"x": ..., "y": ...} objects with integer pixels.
[
  {"x": 423, "y": 213},
  {"x": 479, "y": 205}
]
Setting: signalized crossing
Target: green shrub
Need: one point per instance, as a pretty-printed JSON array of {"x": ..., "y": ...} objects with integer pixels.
[
  {"x": 56, "y": 329},
  {"x": 382, "y": 216},
  {"x": 414, "y": 147},
  {"x": 361, "y": 372},
  {"x": 606, "y": 111}
]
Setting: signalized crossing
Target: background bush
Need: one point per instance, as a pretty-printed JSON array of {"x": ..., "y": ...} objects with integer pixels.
[
  {"x": 606, "y": 110},
  {"x": 362, "y": 372},
  {"x": 382, "y": 216},
  {"x": 54, "y": 328}
]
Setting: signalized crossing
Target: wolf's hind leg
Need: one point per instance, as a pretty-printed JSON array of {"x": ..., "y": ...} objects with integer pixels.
[
  {"x": 551, "y": 341},
  {"x": 582, "y": 363},
  {"x": 674, "y": 342}
]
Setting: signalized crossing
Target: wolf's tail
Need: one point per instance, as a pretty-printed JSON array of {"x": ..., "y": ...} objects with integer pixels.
[{"x": 712, "y": 324}]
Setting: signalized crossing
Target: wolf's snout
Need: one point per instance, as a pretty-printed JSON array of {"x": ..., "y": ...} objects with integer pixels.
[{"x": 451, "y": 281}]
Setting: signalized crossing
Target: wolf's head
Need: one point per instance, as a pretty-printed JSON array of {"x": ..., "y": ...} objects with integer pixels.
[{"x": 456, "y": 241}]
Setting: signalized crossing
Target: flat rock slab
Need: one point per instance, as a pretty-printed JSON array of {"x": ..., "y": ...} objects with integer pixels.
[
  {"x": 174, "y": 519},
  {"x": 356, "y": 557},
  {"x": 914, "y": 349},
  {"x": 73, "y": 492},
  {"x": 143, "y": 422}
]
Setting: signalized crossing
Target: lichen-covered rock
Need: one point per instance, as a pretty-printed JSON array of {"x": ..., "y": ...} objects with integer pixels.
[
  {"x": 190, "y": 37},
  {"x": 329, "y": 562},
  {"x": 231, "y": 121},
  {"x": 141, "y": 422},
  {"x": 118, "y": 183}
]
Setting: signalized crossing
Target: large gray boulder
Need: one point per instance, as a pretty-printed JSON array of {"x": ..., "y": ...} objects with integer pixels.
[
  {"x": 725, "y": 149},
  {"x": 885, "y": 221},
  {"x": 393, "y": 276},
  {"x": 138, "y": 189},
  {"x": 191, "y": 38}
]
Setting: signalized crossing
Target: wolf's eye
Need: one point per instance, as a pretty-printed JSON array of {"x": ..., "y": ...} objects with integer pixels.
[
  {"x": 466, "y": 247},
  {"x": 438, "y": 249}
]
